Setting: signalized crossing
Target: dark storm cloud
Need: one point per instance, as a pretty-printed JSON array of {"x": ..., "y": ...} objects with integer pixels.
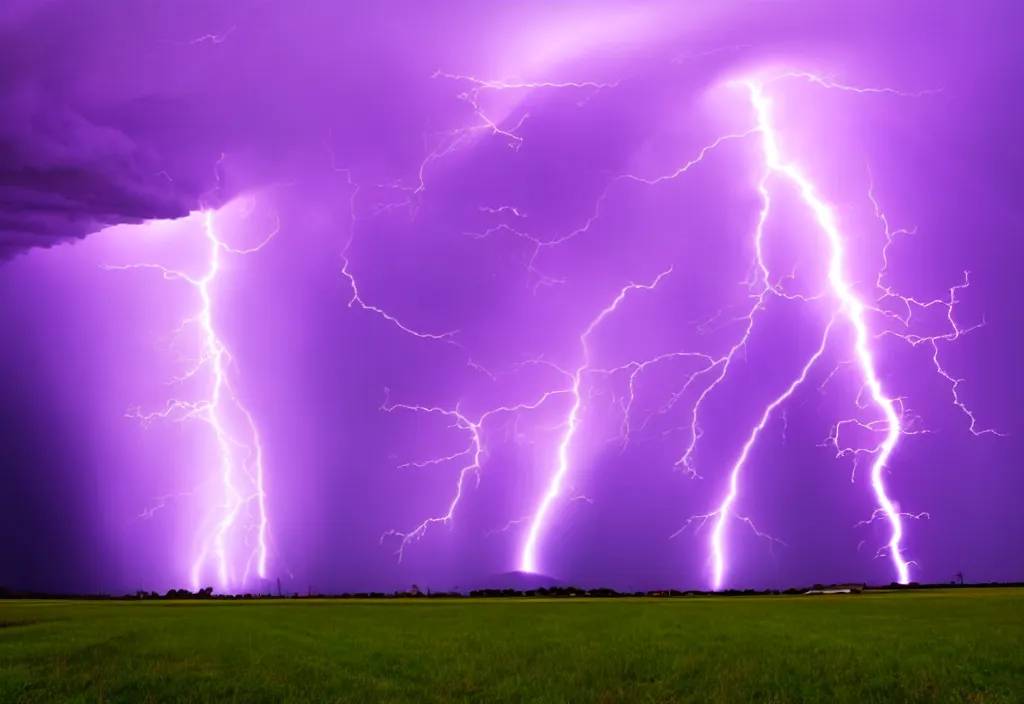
[
  {"x": 63, "y": 172},
  {"x": 114, "y": 112}
]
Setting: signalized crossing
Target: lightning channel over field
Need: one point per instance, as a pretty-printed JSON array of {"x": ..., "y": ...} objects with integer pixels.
[
  {"x": 855, "y": 311},
  {"x": 233, "y": 540},
  {"x": 529, "y": 559}
]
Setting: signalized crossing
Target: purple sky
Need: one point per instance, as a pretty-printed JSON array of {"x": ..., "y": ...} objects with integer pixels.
[{"x": 487, "y": 170}]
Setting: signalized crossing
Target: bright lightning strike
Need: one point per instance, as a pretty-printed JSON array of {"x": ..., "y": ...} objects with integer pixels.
[
  {"x": 529, "y": 559},
  {"x": 224, "y": 537},
  {"x": 855, "y": 311}
]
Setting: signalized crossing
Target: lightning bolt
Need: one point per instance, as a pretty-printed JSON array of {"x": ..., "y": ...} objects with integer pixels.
[
  {"x": 223, "y": 537},
  {"x": 529, "y": 558},
  {"x": 855, "y": 311}
]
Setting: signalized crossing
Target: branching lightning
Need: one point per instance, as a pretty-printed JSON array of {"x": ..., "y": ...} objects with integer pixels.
[
  {"x": 855, "y": 311},
  {"x": 471, "y": 458},
  {"x": 223, "y": 539}
]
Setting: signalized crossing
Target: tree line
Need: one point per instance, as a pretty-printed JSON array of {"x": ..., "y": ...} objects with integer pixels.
[{"x": 543, "y": 592}]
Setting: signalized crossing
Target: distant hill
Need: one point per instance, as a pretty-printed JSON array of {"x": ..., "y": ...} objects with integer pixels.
[{"x": 520, "y": 581}]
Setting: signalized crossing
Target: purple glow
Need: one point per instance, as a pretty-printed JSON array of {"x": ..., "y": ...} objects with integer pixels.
[{"x": 407, "y": 294}]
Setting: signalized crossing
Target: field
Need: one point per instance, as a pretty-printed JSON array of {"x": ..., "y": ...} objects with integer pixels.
[{"x": 960, "y": 645}]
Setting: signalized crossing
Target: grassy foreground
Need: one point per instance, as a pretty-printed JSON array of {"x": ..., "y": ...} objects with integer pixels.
[{"x": 937, "y": 646}]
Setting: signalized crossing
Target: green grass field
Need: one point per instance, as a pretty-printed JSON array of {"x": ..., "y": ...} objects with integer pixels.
[{"x": 933, "y": 646}]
